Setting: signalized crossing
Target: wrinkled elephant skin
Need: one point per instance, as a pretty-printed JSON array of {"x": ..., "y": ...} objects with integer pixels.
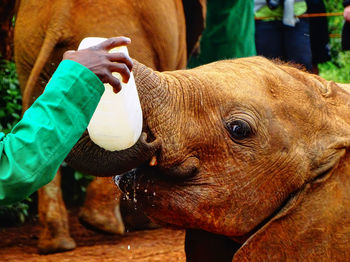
[{"x": 252, "y": 150}]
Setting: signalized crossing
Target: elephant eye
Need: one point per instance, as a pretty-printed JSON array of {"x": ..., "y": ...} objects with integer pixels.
[{"x": 239, "y": 129}]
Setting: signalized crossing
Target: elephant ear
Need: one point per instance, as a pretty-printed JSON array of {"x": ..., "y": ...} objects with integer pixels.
[
  {"x": 314, "y": 224},
  {"x": 195, "y": 13}
]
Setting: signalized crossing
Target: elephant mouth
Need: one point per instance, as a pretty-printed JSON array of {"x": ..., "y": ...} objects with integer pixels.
[
  {"x": 145, "y": 184},
  {"x": 138, "y": 183},
  {"x": 130, "y": 183},
  {"x": 139, "y": 189}
]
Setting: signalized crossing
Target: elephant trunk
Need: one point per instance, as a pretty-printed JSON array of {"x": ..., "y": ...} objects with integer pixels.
[{"x": 89, "y": 158}]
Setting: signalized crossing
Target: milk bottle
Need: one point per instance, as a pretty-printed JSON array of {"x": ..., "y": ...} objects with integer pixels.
[{"x": 117, "y": 121}]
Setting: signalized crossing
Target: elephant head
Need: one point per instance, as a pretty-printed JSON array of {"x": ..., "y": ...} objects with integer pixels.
[{"x": 248, "y": 149}]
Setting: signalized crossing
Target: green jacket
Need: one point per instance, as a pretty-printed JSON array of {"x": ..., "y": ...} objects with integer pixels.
[
  {"x": 229, "y": 32},
  {"x": 31, "y": 154}
]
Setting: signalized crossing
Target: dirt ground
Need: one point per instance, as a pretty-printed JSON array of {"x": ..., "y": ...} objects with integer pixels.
[{"x": 19, "y": 244}]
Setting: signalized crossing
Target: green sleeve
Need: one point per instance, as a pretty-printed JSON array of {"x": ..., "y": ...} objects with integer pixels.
[{"x": 31, "y": 154}]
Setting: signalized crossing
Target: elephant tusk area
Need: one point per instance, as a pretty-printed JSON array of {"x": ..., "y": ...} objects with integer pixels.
[{"x": 153, "y": 161}]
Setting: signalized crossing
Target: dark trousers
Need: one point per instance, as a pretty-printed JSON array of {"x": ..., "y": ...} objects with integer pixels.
[
  {"x": 275, "y": 40},
  {"x": 319, "y": 35}
]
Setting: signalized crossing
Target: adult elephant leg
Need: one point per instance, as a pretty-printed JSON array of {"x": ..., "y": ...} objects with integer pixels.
[
  {"x": 101, "y": 208},
  {"x": 54, "y": 235}
]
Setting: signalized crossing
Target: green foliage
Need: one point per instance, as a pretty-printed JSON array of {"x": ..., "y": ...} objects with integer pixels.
[
  {"x": 14, "y": 214},
  {"x": 10, "y": 114},
  {"x": 83, "y": 179},
  {"x": 338, "y": 69},
  {"x": 10, "y": 102},
  {"x": 74, "y": 186}
]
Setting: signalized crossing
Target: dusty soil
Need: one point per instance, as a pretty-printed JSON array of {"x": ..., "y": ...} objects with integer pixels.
[{"x": 19, "y": 244}]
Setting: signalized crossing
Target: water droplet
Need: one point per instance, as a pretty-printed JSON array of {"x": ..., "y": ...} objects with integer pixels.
[{"x": 116, "y": 180}]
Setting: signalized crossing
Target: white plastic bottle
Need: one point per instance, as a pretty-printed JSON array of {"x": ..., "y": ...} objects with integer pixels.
[{"x": 117, "y": 121}]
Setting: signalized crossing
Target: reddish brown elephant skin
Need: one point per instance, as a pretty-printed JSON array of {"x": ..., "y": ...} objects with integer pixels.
[
  {"x": 252, "y": 150},
  {"x": 45, "y": 29}
]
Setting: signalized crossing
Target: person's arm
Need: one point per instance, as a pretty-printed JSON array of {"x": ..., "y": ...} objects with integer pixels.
[
  {"x": 31, "y": 154},
  {"x": 33, "y": 151}
]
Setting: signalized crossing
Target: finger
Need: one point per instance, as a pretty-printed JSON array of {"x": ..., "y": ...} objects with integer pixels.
[
  {"x": 122, "y": 69},
  {"x": 68, "y": 53},
  {"x": 114, "y": 82},
  {"x": 114, "y": 42},
  {"x": 121, "y": 58}
]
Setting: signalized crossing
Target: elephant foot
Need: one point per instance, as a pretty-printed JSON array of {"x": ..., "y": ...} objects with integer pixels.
[
  {"x": 49, "y": 245},
  {"x": 54, "y": 235},
  {"x": 104, "y": 220}
]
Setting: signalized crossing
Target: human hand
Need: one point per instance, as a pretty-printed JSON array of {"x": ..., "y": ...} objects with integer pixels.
[
  {"x": 347, "y": 13},
  {"x": 102, "y": 63}
]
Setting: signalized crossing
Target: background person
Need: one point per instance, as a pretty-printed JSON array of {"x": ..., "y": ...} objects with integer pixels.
[
  {"x": 229, "y": 32},
  {"x": 345, "y": 39},
  {"x": 280, "y": 34},
  {"x": 319, "y": 34}
]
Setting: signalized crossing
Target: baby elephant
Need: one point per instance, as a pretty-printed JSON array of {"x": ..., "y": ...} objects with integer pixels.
[{"x": 251, "y": 156}]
